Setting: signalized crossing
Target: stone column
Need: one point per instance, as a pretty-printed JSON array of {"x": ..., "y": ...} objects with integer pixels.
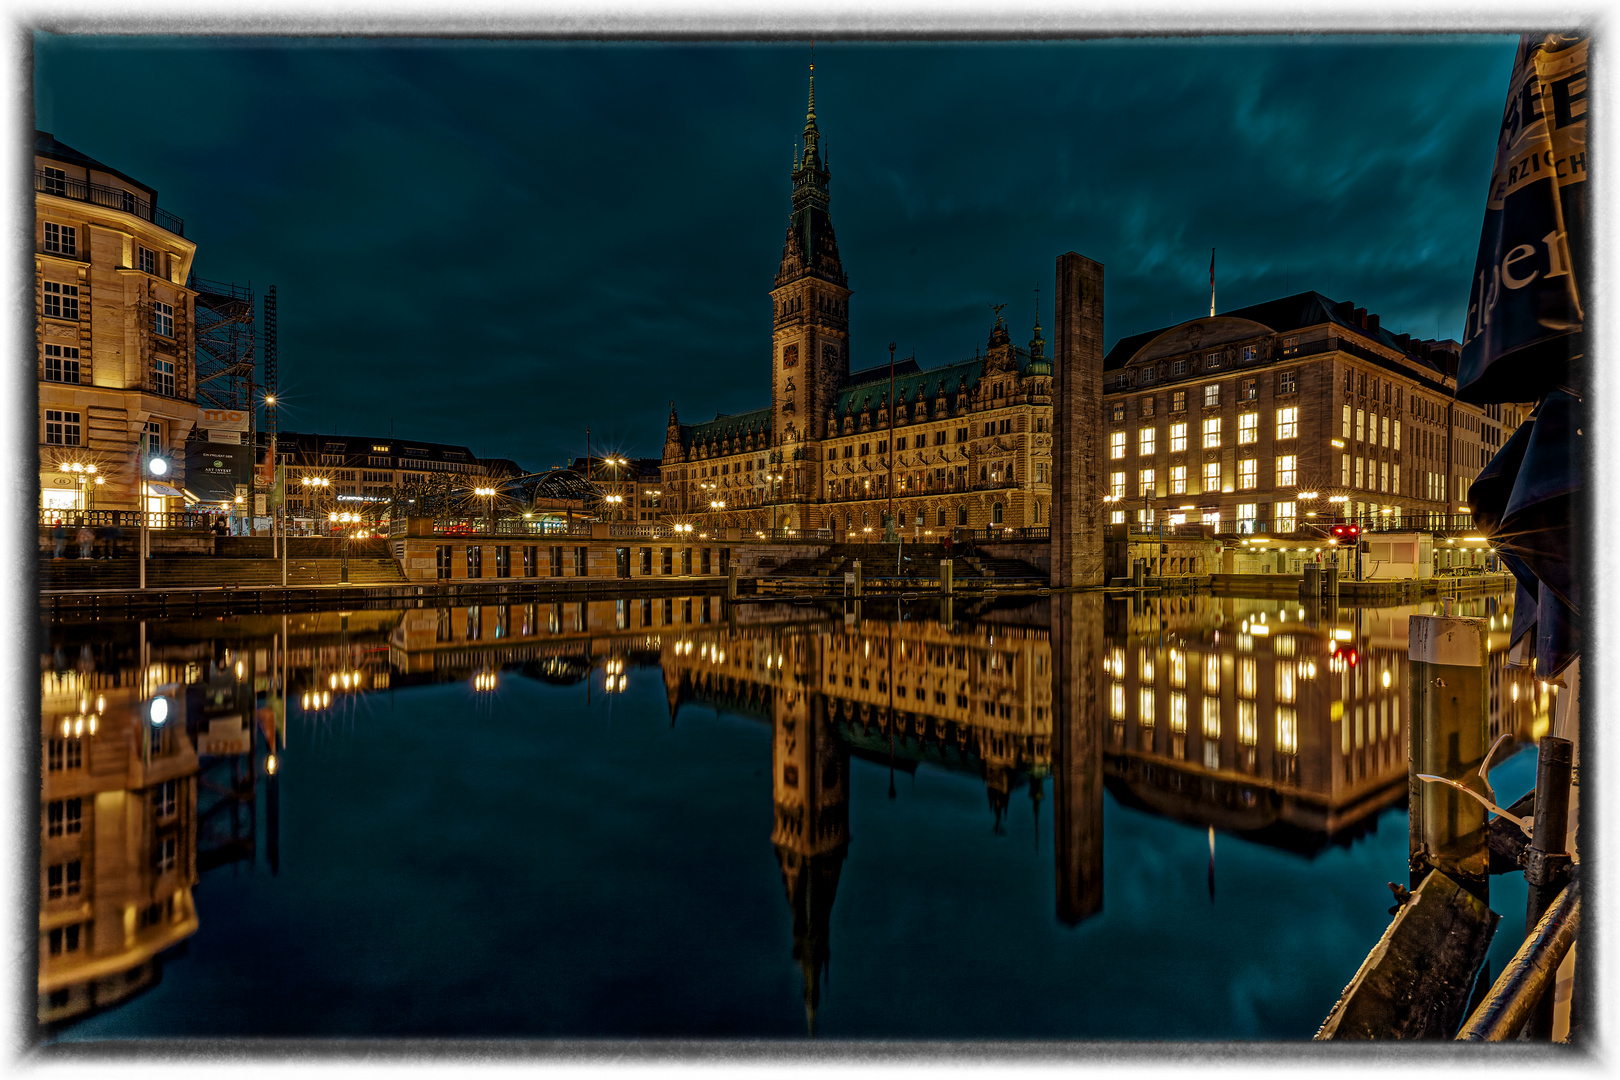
[
  {"x": 1077, "y": 741},
  {"x": 1078, "y": 432}
]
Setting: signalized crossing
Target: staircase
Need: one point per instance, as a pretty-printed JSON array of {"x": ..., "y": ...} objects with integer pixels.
[
  {"x": 912, "y": 561},
  {"x": 182, "y": 572}
]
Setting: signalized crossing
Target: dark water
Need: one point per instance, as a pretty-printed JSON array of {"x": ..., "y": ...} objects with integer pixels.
[{"x": 622, "y": 820}]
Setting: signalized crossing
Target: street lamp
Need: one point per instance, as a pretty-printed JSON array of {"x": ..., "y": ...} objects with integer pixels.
[
  {"x": 487, "y": 494},
  {"x": 155, "y": 466}
]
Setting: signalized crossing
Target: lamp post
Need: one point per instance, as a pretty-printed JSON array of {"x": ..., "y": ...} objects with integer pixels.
[
  {"x": 488, "y": 495},
  {"x": 890, "y": 534},
  {"x": 314, "y": 486},
  {"x": 155, "y": 466}
]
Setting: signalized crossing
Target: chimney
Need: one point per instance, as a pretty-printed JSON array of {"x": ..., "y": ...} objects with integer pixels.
[
  {"x": 1343, "y": 309},
  {"x": 1372, "y": 324},
  {"x": 1404, "y": 341},
  {"x": 1360, "y": 317}
]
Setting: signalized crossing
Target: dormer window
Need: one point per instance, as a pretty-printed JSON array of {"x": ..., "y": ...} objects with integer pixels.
[
  {"x": 1251, "y": 353},
  {"x": 1179, "y": 367},
  {"x": 1122, "y": 379},
  {"x": 1212, "y": 361}
]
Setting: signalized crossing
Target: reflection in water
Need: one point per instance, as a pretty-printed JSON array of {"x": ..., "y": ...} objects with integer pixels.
[{"x": 1258, "y": 719}]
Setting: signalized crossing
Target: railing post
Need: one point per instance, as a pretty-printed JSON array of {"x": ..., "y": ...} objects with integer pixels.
[{"x": 1546, "y": 867}]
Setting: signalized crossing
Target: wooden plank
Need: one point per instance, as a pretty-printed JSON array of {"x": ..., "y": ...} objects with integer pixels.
[{"x": 1416, "y": 982}]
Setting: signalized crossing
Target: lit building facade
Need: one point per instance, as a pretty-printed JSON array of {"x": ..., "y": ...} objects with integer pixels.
[
  {"x": 118, "y": 835},
  {"x": 114, "y": 335},
  {"x": 971, "y": 440},
  {"x": 1301, "y": 410}
]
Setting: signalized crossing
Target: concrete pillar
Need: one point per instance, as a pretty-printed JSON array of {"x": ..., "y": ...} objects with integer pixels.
[
  {"x": 1077, "y": 742},
  {"x": 1448, "y": 732},
  {"x": 946, "y": 578},
  {"x": 1078, "y": 432},
  {"x": 731, "y": 582}
]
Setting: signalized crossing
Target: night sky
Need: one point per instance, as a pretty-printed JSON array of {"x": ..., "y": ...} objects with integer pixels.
[{"x": 500, "y": 243}]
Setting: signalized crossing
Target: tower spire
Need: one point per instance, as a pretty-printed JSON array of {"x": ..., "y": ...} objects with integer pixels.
[{"x": 1037, "y": 344}]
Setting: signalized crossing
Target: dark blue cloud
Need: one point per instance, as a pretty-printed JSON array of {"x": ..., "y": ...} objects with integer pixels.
[{"x": 500, "y": 243}]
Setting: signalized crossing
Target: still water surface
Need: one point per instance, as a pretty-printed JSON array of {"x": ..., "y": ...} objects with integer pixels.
[{"x": 1069, "y": 819}]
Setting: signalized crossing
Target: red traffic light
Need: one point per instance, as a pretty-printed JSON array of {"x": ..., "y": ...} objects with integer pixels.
[{"x": 1349, "y": 532}]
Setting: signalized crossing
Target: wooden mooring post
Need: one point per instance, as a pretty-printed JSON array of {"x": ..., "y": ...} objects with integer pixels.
[{"x": 1448, "y": 685}]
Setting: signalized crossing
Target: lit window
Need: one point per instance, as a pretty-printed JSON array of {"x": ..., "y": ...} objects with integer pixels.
[
  {"x": 1116, "y": 445},
  {"x": 1248, "y": 474},
  {"x": 1246, "y": 723},
  {"x": 1212, "y": 477},
  {"x": 1383, "y": 476},
  {"x": 1146, "y": 407},
  {"x": 1212, "y": 361},
  {"x": 1288, "y": 382},
  {"x": 1116, "y": 485},
  {"x": 1178, "y": 437},
  {"x": 61, "y": 239},
  {"x": 1212, "y": 718},
  {"x": 162, "y": 319},
  {"x": 1250, "y": 352},
  {"x": 1346, "y": 431},
  {"x": 1178, "y": 401},
  {"x": 60, "y": 301},
  {"x": 1383, "y": 431},
  {"x": 1246, "y": 513},
  {"x": 1145, "y": 706},
  {"x": 1248, "y": 389},
  {"x": 1178, "y": 668},
  {"x": 1144, "y": 664},
  {"x": 1358, "y": 473},
  {"x": 1145, "y": 440},
  {"x": 1287, "y": 470},
  {"x": 1287, "y": 730},
  {"x": 61, "y": 428},
  {"x": 1361, "y": 422},
  {"x": 1285, "y": 683},
  {"x": 1212, "y": 673},
  {"x": 1344, "y": 469},
  {"x": 1286, "y": 517},
  {"x": 1245, "y": 677},
  {"x": 1212, "y": 433},
  {"x": 1116, "y": 701},
  {"x": 1178, "y": 713},
  {"x": 61, "y": 363},
  {"x": 1147, "y": 482},
  {"x": 1212, "y": 395},
  {"x": 1288, "y": 422},
  {"x": 1116, "y": 517},
  {"x": 1397, "y": 445},
  {"x": 1248, "y": 428},
  {"x": 1178, "y": 480},
  {"x": 1212, "y": 518}
]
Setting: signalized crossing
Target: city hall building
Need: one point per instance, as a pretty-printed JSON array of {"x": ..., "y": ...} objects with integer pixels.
[
  {"x": 1267, "y": 418},
  {"x": 971, "y": 440}
]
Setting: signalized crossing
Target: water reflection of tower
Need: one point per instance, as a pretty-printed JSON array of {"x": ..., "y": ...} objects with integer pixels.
[
  {"x": 810, "y": 786},
  {"x": 1077, "y": 774}
]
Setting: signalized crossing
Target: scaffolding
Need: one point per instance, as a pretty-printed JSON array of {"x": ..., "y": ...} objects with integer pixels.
[{"x": 225, "y": 344}]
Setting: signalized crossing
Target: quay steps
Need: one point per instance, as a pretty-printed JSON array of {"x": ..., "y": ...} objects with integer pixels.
[{"x": 211, "y": 572}]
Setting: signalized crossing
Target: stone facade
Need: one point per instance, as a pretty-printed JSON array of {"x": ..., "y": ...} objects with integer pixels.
[
  {"x": 971, "y": 441},
  {"x": 114, "y": 326},
  {"x": 1288, "y": 414}
]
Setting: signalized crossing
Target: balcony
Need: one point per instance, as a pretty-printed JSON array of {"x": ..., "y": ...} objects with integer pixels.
[{"x": 110, "y": 197}]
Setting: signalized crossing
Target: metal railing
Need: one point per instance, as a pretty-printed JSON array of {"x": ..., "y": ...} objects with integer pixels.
[
  {"x": 183, "y": 519},
  {"x": 476, "y": 526},
  {"x": 110, "y": 197},
  {"x": 999, "y": 532}
]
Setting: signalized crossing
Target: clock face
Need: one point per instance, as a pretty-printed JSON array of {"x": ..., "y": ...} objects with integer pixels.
[{"x": 790, "y": 355}]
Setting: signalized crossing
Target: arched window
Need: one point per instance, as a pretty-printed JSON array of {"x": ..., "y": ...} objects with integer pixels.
[{"x": 995, "y": 513}]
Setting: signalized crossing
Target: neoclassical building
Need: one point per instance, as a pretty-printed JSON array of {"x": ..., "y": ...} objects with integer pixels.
[
  {"x": 972, "y": 440},
  {"x": 115, "y": 332}
]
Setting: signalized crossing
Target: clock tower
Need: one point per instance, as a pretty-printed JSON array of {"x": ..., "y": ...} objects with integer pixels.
[{"x": 810, "y": 329}]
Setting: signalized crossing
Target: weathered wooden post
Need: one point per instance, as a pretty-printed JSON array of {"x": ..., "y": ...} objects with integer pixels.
[
  {"x": 1079, "y": 437},
  {"x": 1447, "y": 733},
  {"x": 1310, "y": 587},
  {"x": 858, "y": 582},
  {"x": 1331, "y": 585},
  {"x": 947, "y": 582},
  {"x": 731, "y": 582},
  {"x": 1138, "y": 573}
]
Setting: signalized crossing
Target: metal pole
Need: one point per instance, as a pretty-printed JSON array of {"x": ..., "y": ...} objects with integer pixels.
[
  {"x": 1530, "y": 975},
  {"x": 1547, "y": 863},
  {"x": 141, "y": 559},
  {"x": 892, "y": 533}
]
